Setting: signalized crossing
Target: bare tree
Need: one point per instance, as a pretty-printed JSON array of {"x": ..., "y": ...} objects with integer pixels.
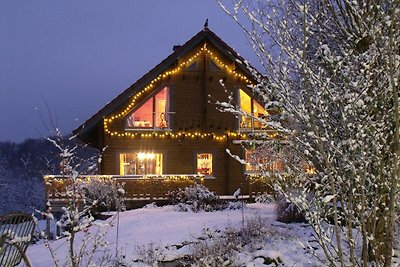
[{"x": 332, "y": 68}]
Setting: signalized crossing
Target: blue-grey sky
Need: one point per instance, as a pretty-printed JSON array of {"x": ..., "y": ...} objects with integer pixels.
[{"x": 78, "y": 55}]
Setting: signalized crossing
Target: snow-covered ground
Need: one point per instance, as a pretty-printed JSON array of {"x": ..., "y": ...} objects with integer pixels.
[{"x": 165, "y": 231}]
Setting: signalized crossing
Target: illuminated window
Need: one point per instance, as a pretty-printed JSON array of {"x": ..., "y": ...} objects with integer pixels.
[
  {"x": 160, "y": 102},
  {"x": 258, "y": 112},
  {"x": 250, "y": 106},
  {"x": 261, "y": 160},
  {"x": 205, "y": 164},
  {"x": 152, "y": 114},
  {"x": 245, "y": 105},
  {"x": 140, "y": 163}
]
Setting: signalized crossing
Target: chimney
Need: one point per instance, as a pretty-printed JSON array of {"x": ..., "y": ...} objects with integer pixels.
[{"x": 176, "y": 47}]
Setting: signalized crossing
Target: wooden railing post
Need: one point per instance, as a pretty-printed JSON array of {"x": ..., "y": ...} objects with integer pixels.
[{"x": 151, "y": 188}]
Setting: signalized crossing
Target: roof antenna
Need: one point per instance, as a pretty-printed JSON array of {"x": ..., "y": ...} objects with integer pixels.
[{"x": 206, "y": 24}]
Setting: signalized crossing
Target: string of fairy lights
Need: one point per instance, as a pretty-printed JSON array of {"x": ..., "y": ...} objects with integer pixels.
[
  {"x": 165, "y": 75},
  {"x": 87, "y": 178},
  {"x": 56, "y": 185}
]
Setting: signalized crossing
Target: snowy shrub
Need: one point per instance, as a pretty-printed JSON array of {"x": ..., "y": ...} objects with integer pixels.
[
  {"x": 287, "y": 212},
  {"x": 149, "y": 254},
  {"x": 252, "y": 230},
  {"x": 215, "y": 249},
  {"x": 233, "y": 205},
  {"x": 106, "y": 194},
  {"x": 265, "y": 198},
  {"x": 194, "y": 198},
  {"x": 332, "y": 72},
  {"x": 77, "y": 214}
]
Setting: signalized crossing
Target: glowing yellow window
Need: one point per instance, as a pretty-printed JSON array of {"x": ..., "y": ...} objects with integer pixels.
[
  {"x": 245, "y": 105},
  {"x": 259, "y": 112},
  {"x": 140, "y": 163},
  {"x": 205, "y": 164},
  {"x": 250, "y": 106}
]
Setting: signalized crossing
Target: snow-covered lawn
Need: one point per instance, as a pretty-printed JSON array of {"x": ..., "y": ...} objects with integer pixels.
[{"x": 170, "y": 230}]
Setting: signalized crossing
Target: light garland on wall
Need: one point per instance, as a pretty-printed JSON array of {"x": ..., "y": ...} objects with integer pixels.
[
  {"x": 108, "y": 120},
  {"x": 179, "y": 135},
  {"x": 60, "y": 180}
]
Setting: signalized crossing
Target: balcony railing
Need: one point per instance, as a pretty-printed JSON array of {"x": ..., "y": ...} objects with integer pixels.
[
  {"x": 252, "y": 124},
  {"x": 152, "y": 120},
  {"x": 135, "y": 186}
]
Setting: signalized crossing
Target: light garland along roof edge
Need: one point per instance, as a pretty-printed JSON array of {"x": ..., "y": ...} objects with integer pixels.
[{"x": 166, "y": 68}]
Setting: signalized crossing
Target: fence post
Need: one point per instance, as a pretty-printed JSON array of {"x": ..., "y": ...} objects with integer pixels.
[
  {"x": 250, "y": 189},
  {"x": 48, "y": 233},
  {"x": 48, "y": 212}
]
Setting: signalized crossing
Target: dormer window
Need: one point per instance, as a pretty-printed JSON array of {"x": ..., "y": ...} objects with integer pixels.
[
  {"x": 154, "y": 113},
  {"x": 254, "y": 109}
]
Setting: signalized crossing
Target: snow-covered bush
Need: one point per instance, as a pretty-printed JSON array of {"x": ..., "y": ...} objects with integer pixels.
[
  {"x": 194, "y": 198},
  {"x": 253, "y": 230},
  {"x": 265, "y": 198},
  {"x": 233, "y": 205},
  {"x": 331, "y": 68},
  {"x": 215, "y": 248},
  {"x": 148, "y": 254},
  {"x": 77, "y": 214},
  {"x": 287, "y": 212},
  {"x": 104, "y": 194}
]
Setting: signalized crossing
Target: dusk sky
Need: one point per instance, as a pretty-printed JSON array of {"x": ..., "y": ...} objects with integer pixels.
[{"x": 76, "y": 56}]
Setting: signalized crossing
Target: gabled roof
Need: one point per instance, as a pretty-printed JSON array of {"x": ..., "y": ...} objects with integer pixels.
[{"x": 204, "y": 35}]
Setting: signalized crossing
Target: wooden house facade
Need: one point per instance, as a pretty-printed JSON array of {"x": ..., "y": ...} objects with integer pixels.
[{"x": 168, "y": 125}]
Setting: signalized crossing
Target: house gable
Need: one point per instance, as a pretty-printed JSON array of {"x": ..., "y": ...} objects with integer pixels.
[
  {"x": 222, "y": 63},
  {"x": 114, "y": 126}
]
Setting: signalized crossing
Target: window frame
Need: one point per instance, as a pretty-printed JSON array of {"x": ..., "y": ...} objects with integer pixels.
[
  {"x": 253, "y": 104},
  {"x": 120, "y": 162},
  {"x": 213, "y": 161},
  {"x": 154, "y": 114}
]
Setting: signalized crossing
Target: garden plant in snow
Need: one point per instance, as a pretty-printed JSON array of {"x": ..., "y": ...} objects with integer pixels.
[
  {"x": 194, "y": 198},
  {"x": 104, "y": 194},
  {"x": 332, "y": 69},
  {"x": 77, "y": 215}
]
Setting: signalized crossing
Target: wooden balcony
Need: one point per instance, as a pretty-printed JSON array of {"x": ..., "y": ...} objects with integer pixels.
[{"x": 150, "y": 187}]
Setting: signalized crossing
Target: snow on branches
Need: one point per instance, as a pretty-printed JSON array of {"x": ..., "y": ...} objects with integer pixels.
[{"x": 333, "y": 67}]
